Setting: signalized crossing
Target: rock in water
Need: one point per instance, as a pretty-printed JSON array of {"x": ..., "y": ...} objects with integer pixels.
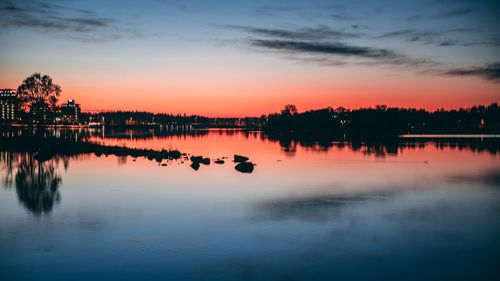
[
  {"x": 244, "y": 167},
  {"x": 175, "y": 154},
  {"x": 205, "y": 161},
  {"x": 196, "y": 159},
  {"x": 219, "y": 161},
  {"x": 240, "y": 159},
  {"x": 195, "y": 166}
]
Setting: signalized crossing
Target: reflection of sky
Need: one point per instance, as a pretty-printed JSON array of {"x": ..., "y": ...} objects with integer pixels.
[
  {"x": 339, "y": 214},
  {"x": 203, "y": 56}
]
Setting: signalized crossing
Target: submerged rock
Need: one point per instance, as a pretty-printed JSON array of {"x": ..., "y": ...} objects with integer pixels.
[
  {"x": 240, "y": 158},
  {"x": 244, "y": 167},
  {"x": 219, "y": 161}
]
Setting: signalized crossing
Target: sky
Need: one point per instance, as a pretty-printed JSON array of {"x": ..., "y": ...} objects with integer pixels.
[{"x": 247, "y": 58}]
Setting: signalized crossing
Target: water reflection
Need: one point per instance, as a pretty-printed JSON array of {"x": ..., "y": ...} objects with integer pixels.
[
  {"x": 312, "y": 208},
  {"x": 383, "y": 148},
  {"x": 332, "y": 210},
  {"x": 327, "y": 206},
  {"x": 489, "y": 178},
  {"x": 289, "y": 143},
  {"x": 36, "y": 183}
]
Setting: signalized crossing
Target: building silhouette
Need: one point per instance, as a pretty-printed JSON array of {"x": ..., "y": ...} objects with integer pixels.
[
  {"x": 7, "y": 105},
  {"x": 40, "y": 112},
  {"x": 70, "y": 112}
]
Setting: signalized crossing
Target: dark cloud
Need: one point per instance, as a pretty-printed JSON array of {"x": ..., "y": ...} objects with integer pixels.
[
  {"x": 422, "y": 33},
  {"x": 332, "y": 48},
  {"x": 307, "y": 33},
  {"x": 435, "y": 37},
  {"x": 370, "y": 55},
  {"x": 490, "y": 72},
  {"x": 341, "y": 17},
  {"x": 51, "y": 18},
  {"x": 359, "y": 26},
  {"x": 397, "y": 33},
  {"x": 441, "y": 15},
  {"x": 454, "y": 13},
  {"x": 323, "y": 45},
  {"x": 449, "y": 43}
]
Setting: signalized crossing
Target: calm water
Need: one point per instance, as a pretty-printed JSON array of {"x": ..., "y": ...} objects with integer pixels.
[{"x": 415, "y": 210}]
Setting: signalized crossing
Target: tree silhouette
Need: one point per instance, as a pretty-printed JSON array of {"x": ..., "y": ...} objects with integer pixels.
[
  {"x": 382, "y": 121},
  {"x": 38, "y": 88},
  {"x": 290, "y": 109}
]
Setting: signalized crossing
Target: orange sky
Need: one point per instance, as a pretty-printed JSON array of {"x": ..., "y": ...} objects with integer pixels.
[{"x": 238, "y": 97}]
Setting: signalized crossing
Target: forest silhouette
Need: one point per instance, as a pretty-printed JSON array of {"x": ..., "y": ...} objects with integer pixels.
[{"x": 383, "y": 121}]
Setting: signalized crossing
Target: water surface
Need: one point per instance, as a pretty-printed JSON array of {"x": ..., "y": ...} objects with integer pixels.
[{"x": 411, "y": 210}]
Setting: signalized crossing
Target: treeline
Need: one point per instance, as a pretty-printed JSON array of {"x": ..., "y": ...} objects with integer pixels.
[
  {"x": 384, "y": 121},
  {"x": 142, "y": 118},
  {"x": 128, "y": 118}
]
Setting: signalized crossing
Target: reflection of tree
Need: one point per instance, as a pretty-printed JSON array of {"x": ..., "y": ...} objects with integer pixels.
[
  {"x": 6, "y": 165},
  {"x": 37, "y": 183},
  {"x": 289, "y": 146},
  {"x": 380, "y": 148}
]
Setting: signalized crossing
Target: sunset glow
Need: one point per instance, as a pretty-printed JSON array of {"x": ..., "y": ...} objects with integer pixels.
[{"x": 222, "y": 58}]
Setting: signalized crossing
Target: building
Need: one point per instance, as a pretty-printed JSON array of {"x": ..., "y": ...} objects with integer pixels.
[
  {"x": 7, "y": 105},
  {"x": 70, "y": 112},
  {"x": 40, "y": 112}
]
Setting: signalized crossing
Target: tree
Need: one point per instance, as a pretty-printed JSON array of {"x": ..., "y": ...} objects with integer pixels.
[
  {"x": 38, "y": 88},
  {"x": 289, "y": 109}
]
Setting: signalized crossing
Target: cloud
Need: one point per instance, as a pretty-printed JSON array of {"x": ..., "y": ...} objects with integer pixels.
[
  {"x": 441, "y": 15},
  {"x": 454, "y": 13},
  {"x": 341, "y": 17},
  {"x": 449, "y": 43},
  {"x": 359, "y": 26},
  {"x": 370, "y": 55},
  {"x": 422, "y": 33},
  {"x": 324, "y": 45},
  {"x": 397, "y": 33},
  {"x": 332, "y": 48},
  {"x": 79, "y": 24},
  {"x": 435, "y": 37},
  {"x": 490, "y": 72},
  {"x": 307, "y": 33}
]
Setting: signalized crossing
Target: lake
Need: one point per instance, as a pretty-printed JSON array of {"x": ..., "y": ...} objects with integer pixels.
[{"x": 413, "y": 209}]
